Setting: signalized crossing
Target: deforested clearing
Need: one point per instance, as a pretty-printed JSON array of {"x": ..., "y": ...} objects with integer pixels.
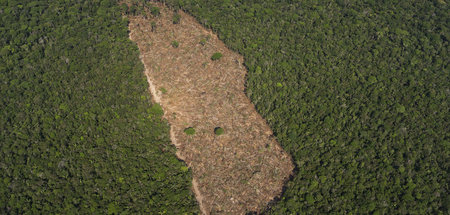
[{"x": 237, "y": 169}]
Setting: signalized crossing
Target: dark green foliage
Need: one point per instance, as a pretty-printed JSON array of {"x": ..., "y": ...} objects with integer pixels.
[
  {"x": 77, "y": 132},
  {"x": 156, "y": 109},
  {"x": 189, "y": 131},
  {"x": 216, "y": 56},
  {"x": 175, "y": 44},
  {"x": 176, "y": 18},
  {"x": 154, "y": 11},
  {"x": 133, "y": 10},
  {"x": 356, "y": 91},
  {"x": 218, "y": 131},
  {"x": 124, "y": 8}
]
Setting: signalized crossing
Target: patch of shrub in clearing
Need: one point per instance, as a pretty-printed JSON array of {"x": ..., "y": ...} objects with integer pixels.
[
  {"x": 216, "y": 56},
  {"x": 163, "y": 90},
  {"x": 175, "y": 44},
  {"x": 176, "y": 18},
  {"x": 155, "y": 11},
  {"x": 218, "y": 131},
  {"x": 189, "y": 131}
]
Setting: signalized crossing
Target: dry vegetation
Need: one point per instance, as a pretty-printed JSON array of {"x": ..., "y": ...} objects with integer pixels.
[{"x": 236, "y": 172}]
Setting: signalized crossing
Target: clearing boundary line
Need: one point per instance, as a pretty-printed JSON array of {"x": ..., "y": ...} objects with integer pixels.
[{"x": 237, "y": 170}]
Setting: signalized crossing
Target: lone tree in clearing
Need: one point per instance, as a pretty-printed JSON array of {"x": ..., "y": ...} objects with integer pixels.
[
  {"x": 189, "y": 131},
  {"x": 218, "y": 131}
]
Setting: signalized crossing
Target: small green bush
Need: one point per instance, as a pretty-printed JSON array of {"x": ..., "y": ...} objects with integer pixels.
[
  {"x": 175, "y": 44},
  {"x": 218, "y": 131},
  {"x": 176, "y": 18},
  {"x": 189, "y": 131},
  {"x": 216, "y": 56},
  {"x": 155, "y": 11}
]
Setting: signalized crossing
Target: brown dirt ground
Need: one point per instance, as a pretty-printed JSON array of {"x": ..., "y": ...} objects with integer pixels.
[{"x": 239, "y": 171}]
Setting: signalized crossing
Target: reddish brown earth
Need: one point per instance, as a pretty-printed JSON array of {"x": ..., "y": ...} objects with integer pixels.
[{"x": 234, "y": 173}]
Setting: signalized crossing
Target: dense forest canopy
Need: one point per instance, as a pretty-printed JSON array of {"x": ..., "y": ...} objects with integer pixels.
[
  {"x": 357, "y": 92},
  {"x": 77, "y": 132}
]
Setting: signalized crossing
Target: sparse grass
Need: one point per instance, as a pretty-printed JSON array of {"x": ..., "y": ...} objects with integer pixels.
[
  {"x": 153, "y": 24},
  {"x": 175, "y": 44},
  {"x": 203, "y": 42}
]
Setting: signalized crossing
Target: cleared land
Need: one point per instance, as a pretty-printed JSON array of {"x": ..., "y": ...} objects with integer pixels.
[{"x": 238, "y": 171}]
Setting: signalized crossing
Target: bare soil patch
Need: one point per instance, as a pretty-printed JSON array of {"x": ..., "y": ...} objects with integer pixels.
[{"x": 243, "y": 168}]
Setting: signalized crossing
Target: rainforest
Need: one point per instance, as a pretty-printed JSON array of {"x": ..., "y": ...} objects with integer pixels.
[{"x": 356, "y": 92}]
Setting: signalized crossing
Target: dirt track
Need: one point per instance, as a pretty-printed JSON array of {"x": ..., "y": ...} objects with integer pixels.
[{"x": 234, "y": 173}]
